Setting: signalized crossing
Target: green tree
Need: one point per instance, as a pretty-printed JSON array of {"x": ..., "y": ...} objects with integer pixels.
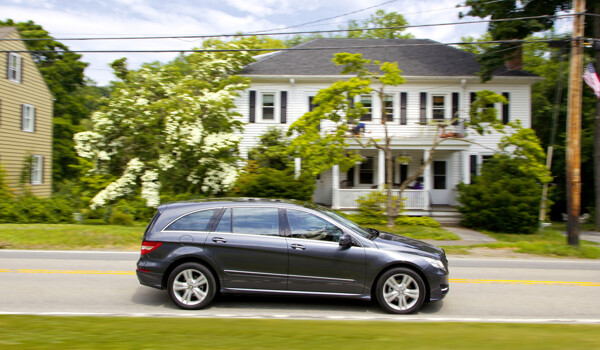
[
  {"x": 495, "y": 56},
  {"x": 381, "y": 25},
  {"x": 320, "y": 151},
  {"x": 270, "y": 171},
  {"x": 169, "y": 127},
  {"x": 63, "y": 72}
]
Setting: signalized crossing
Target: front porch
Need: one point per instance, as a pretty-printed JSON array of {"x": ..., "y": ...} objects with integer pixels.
[{"x": 413, "y": 199}]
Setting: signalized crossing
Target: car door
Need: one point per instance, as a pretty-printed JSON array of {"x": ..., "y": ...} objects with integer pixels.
[
  {"x": 247, "y": 247},
  {"x": 317, "y": 263}
]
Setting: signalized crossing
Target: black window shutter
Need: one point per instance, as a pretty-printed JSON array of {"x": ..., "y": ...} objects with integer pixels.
[
  {"x": 473, "y": 97},
  {"x": 351, "y": 101},
  {"x": 252, "y": 106},
  {"x": 403, "y": 99},
  {"x": 283, "y": 107},
  {"x": 423, "y": 116},
  {"x": 505, "y": 109},
  {"x": 455, "y": 107},
  {"x": 311, "y": 106},
  {"x": 473, "y": 167}
]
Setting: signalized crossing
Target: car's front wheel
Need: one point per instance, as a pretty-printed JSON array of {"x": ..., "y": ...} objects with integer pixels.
[
  {"x": 191, "y": 286},
  {"x": 400, "y": 291}
]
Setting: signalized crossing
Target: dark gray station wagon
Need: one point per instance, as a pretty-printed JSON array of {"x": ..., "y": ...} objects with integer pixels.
[{"x": 197, "y": 249}]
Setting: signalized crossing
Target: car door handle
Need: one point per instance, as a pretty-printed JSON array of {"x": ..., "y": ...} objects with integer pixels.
[
  {"x": 219, "y": 240},
  {"x": 298, "y": 246}
]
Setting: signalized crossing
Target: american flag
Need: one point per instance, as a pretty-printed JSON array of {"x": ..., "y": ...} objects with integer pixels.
[{"x": 591, "y": 78}]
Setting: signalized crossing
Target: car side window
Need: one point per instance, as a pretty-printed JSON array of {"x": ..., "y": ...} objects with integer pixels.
[
  {"x": 197, "y": 221},
  {"x": 256, "y": 221},
  {"x": 309, "y": 226},
  {"x": 225, "y": 222}
]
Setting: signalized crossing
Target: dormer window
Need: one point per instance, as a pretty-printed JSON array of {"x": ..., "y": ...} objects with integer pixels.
[{"x": 15, "y": 66}]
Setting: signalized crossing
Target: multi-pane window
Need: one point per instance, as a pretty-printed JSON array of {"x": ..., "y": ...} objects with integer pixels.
[
  {"x": 439, "y": 175},
  {"x": 15, "y": 66},
  {"x": 37, "y": 170},
  {"x": 367, "y": 103},
  {"x": 268, "y": 106},
  {"x": 388, "y": 107},
  {"x": 28, "y": 118},
  {"x": 438, "y": 107},
  {"x": 366, "y": 171}
]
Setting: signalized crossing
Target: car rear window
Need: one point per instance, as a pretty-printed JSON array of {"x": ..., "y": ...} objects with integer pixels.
[{"x": 196, "y": 221}]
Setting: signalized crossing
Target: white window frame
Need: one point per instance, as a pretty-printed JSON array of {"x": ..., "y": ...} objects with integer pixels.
[
  {"x": 275, "y": 107},
  {"x": 392, "y": 98},
  {"x": 433, "y": 109},
  {"x": 28, "y": 117},
  {"x": 370, "y": 109},
  {"x": 37, "y": 169},
  {"x": 15, "y": 67}
]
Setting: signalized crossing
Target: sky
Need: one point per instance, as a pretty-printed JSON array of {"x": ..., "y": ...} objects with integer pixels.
[{"x": 114, "y": 18}]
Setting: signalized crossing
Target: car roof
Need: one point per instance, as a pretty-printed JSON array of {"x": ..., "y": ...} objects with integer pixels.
[{"x": 211, "y": 202}]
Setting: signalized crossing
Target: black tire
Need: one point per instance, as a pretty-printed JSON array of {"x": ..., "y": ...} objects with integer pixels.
[
  {"x": 400, "y": 291},
  {"x": 191, "y": 286}
]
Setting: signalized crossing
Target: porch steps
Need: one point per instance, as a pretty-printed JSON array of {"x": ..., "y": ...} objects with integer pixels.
[{"x": 446, "y": 215}]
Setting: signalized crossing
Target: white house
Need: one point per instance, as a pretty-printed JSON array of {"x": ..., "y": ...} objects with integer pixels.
[{"x": 440, "y": 82}]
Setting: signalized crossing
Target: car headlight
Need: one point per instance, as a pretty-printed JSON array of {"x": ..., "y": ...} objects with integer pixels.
[{"x": 436, "y": 263}]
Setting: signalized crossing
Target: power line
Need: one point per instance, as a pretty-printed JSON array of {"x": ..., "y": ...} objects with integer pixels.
[
  {"x": 300, "y": 48},
  {"x": 293, "y": 33}
]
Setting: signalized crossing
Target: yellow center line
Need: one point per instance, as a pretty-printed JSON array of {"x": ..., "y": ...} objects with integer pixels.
[
  {"x": 452, "y": 280},
  {"x": 490, "y": 281}
]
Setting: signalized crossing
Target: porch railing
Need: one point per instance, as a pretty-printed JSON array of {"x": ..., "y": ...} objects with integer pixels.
[{"x": 413, "y": 199}]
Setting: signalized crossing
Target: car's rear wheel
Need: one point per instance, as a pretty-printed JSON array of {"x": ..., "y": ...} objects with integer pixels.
[
  {"x": 400, "y": 291},
  {"x": 191, "y": 286}
]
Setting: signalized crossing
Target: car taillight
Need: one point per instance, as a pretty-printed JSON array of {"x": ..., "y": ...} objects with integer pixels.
[{"x": 147, "y": 246}]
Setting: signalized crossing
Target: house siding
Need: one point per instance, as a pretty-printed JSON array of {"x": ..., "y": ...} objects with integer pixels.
[{"x": 16, "y": 144}]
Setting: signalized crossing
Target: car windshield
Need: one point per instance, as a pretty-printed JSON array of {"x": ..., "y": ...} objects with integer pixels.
[{"x": 345, "y": 221}]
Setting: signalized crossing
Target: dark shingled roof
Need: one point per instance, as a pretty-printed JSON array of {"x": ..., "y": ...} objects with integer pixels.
[{"x": 416, "y": 57}]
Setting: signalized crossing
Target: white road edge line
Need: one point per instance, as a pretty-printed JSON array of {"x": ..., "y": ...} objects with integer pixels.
[{"x": 328, "y": 318}]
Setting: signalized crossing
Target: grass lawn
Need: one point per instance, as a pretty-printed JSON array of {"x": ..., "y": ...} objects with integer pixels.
[
  {"x": 418, "y": 232},
  {"x": 35, "y": 332},
  {"x": 546, "y": 242},
  {"x": 67, "y": 236}
]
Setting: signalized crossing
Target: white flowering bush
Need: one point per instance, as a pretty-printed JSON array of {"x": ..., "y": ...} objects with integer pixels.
[{"x": 168, "y": 128}]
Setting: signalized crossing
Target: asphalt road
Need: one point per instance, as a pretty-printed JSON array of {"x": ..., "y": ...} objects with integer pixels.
[{"x": 487, "y": 290}]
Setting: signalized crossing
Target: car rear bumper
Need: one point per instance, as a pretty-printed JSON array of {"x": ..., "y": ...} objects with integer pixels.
[{"x": 149, "y": 279}]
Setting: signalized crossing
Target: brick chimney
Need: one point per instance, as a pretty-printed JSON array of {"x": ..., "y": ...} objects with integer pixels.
[{"x": 513, "y": 60}]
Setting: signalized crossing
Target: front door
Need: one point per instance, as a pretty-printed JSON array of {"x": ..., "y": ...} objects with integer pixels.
[
  {"x": 317, "y": 263},
  {"x": 440, "y": 191}
]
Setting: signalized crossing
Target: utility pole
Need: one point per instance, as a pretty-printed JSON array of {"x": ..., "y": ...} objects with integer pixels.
[{"x": 574, "y": 125}]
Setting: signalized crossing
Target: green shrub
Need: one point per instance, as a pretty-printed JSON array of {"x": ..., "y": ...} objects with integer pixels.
[
  {"x": 372, "y": 208},
  {"x": 417, "y": 221},
  {"x": 119, "y": 218},
  {"x": 29, "y": 209},
  {"x": 273, "y": 183},
  {"x": 501, "y": 199}
]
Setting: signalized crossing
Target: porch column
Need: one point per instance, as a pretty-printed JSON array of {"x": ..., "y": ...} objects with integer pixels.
[
  {"x": 380, "y": 169},
  {"x": 427, "y": 179},
  {"x": 335, "y": 187},
  {"x": 297, "y": 167},
  {"x": 466, "y": 167}
]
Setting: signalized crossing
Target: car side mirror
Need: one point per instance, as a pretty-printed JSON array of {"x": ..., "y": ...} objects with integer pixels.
[{"x": 346, "y": 241}]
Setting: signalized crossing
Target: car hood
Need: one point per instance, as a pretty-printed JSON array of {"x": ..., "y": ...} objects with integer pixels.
[{"x": 390, "y": 241}]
